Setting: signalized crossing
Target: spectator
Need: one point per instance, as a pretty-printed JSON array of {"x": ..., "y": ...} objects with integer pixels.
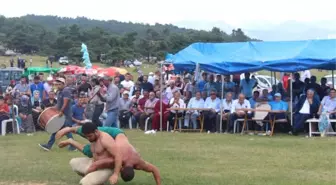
[
  {"x": 97, "y": 100},
  {"x": 316, "y": 87},
  {"x": 187, "y": 89},
  {"x": 112, "y": 103},
  {"x": 22, "y": 88},
  {"x": 305, "y": 74},
  {"x": 37, "y": 86},
  {"x": 134, "y": 107},
  {"x": 247, "y": 85},
  {"x": 324, "y": 88},
  {"x": 84, "y": 86},
  {"x": 78, "y": 113},
  {"x": 298, "y": 87},
  {"x": 328, "y": 104},
  {"x": 156, "y": 85},
  {"x": 36, "y": 109},
  {"x": 25, "y": 113},
  {"x": 285, "y": 80},
  {"x": 127, "y": 84},
  {"x": 200, "y": 85},
  {"x": 156, "y": 117},
  {"x": 265, "y": 96},
  {"x": 210, "y": 86},
  {"x": 141, "y": 105},
  {"x": 194, "y": 103},
  {"x": 176, "y": 102},
  {"x": 50, "y": 102},
  {"x": 227, "y": 106},
  {"x": 121, "y": 77},
  {"x": 179, "y": 84},
  {"x": 145, "y": 85},
  {"x": 118, "y": 84},
  {"x": 4, "y": 111},
  {"x": 306, "y": 108},
  {"x": 212, "y": 103},
  {"x": 170, "y": 91},
  {"x": 47, "y": 87},
  {"x": 254, "y": 100},
  {"x": 239, "y": 110},
  {"x": 151, "y": 78},
  {"x": 148, "y": 111},
  {"x": 228, "y": 86},
  {"x": 279, "y": 109},
  {"x": 124, "y": 109},
  {"x": 9, "y": 89},
  {"x": 136, "y": 87}
]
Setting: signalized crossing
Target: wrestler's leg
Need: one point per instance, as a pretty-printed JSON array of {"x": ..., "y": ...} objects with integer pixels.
[
  {"x": 80, "y": 165},
  {"x": 97, "y": 177}
]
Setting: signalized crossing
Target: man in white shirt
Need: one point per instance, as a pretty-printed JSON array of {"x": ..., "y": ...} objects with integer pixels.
[
  {"x": 195, "y": 102},
  {"x": 238, "y": 110},
  {"x": 305, "y": 74},
  {"x": 127, "y": 83},
  {"x": 212, "y": 103},
  {"x": 171, "y": 90},
  {"x": 227, "y": 106},
  {"x": 47, "y": 87},
  {"x": 176, "y": 102},
  {"x": 306, "y": 108},
  {"x": 151, "y": 78}
]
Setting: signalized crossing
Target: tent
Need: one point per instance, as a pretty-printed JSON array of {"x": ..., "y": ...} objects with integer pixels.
[
  {"x": 41, "y": 70},
  {"x": 239, "y": 57}
]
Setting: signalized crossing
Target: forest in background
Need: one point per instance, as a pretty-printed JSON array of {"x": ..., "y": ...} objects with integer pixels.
[{"x": 59, "y": 36}]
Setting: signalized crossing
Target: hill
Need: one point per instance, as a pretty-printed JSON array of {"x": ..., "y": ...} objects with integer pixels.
[{"x": 52, "y": 35}]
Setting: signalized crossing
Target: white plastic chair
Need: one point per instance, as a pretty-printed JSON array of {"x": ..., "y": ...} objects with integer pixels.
[{"x": 4, "y": 122}]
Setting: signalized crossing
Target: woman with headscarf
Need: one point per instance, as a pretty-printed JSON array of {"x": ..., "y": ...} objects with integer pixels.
[
  {"x": 25, "y": 113},
  {"x": 36, "y": 108},
  {"x": 165, "y": 112}
]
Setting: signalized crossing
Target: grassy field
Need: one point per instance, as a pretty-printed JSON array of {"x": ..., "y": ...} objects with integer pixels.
[{"x": 185, "y": 158}]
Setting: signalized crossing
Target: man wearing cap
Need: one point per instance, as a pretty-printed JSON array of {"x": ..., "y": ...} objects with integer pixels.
[
  {"x": 279, "y": 109},
  {"x": 47, "y": 87},
  {"x": 64, "y": 107}
]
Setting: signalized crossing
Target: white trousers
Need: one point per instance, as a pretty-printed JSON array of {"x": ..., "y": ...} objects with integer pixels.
[{"x": 81, "y": 165}]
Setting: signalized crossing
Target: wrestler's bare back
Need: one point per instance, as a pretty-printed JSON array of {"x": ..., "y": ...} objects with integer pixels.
[{"x": 98, "y": 150}]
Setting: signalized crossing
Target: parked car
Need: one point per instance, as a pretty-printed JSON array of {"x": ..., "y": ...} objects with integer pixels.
[
  {"x": 329, "y": 79},
  {"x": 8, "y": 74},
  {"x": 264, "y": 81},
  {"x": 63, "y": 61}
]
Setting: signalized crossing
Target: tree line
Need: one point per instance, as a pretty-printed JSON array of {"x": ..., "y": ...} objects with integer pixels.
[{"x": 57, "y": 36}]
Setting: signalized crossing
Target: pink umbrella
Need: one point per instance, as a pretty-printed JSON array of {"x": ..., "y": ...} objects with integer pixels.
[{"x": 83, "y": 70}]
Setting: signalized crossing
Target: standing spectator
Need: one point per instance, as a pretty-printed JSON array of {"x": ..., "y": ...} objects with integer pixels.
[
  {"x": 84, "y": 86},
  {"x": 9, "y": 89},
  {"x": 25, "y": 113},
  {"x": 246, "y": 85},
  {"x": 285, "y": 81},
  {"x": 298, "y": 87},
  {"x": 187, "y": 89},
  {"x": 127, "y": 83},
  {"x": 210, "y": 116},
  {"x": 151, "y": 78},
  {"x": 156, "y": 85},
  {"x": 112, "y": 103},
  {"x": 37, "y": 86},
  {"x": 148, "y": 111},
  {"x": 210, "y": 86},
  {"x": 306, "y": 108},
  {"x": 11, "y": 62},
  {"x": 305, "y": 74},
  {"x": 324, "y": 88},
  {"x": 23, "y": 63},
  {"x": 97, "y": 101},
  {"x": 200, "y": 85},
  {"x": 316, "y": 87},
  {"x": 47, "y": 86},
  {"x": 146, "y": 85},
  {"x": 170, "y": 91},
  {"x": 124, "y": 109},
  {"x": 238, "y": 110},
  {"x": 195, "y": 102},
  {"x": 228, "y": 86},
  {"x": 30, "y": 62}
]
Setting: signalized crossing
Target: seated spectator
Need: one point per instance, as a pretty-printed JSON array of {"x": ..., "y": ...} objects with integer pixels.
[
  {"x": 279, "y": 109},
  {"x": 78, "y": 112},
  {"x": 127, "y": 83},
  {"x": 4, "y": 111},
  {"x": 148, "y": 110},
  {"x": 156, "y": 85},
  {"x": 156, "y": 117},
  {"x": 145, "y": 85},
  {"x": 227, "y": 106},
  {"x": 328, "y": 104},
  {"x": 37, "y": 86},
  {"x": 136, "y": 87},
  {"x": 141, "y": 106},
  {"x": 238, "y": 110},
  {"x": 253, "y": 101},
  {"x": 170, "y": 91},
  {"x": 176, "y": 102},
  {"x": 50, "y": 102},
  {"x": 306, "y": 108},
  {"x": 195, "y": 102},
  {"x": 134, "y": 107},
  {"x": 265, "y": 96},
  {"x": 124, "y": 109},
  {"x": 36, "y": 109},
  {"x": 187, "y": 90},
  {"x": 25, "y": 113},
  {"x": 210, "y": 116},
  {"x": 179, "y": 84}
]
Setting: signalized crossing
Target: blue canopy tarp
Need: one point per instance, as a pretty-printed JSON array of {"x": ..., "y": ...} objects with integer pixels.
[{"x": 285, "y": 56}]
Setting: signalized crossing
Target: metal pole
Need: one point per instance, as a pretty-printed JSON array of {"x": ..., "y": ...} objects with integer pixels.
[
  {"x": 291, "y": 99},
  {"x": 333, "y": 78},
  {"x": 221, "y": 106},
  {"x": 161, "y": 99}
]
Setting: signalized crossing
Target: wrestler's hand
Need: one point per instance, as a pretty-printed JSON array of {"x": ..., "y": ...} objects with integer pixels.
[
  {"x": 91, "y": 169},
  {"x": 114, "y": 179},
  {"x": 64, "y": 143},
  {"x": 62, "y": 132},
  {"x": 60, "y": 114}
]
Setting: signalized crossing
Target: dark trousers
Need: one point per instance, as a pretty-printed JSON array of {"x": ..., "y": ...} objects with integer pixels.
[
  {"x": 98, "y": 110},
  {"x": 234, "y": 117},
  {"x": 225, "y": 122},
  {"x": 172, "y": 117},
  {"x": 124, "y": 116},
  {"x": 52, "y": 138},
  {"x": 299, "y": 121},
  {"x": 283, "y": 127},
  {"x": 210, "y": 121}
]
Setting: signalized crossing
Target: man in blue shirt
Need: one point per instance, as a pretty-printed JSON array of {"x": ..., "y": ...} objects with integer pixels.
[
  {"x": 37, "y": 86},
  {"x": 212, "y": 103},
  {"x": 200, "y": 85},
  {"x": 247, "y": 85},
  {"x": 279, "y": 109},
  {"x": 78, "y": 112}
]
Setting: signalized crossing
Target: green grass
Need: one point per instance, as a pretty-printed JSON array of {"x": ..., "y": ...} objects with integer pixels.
[{"x": 185, "y": 158}]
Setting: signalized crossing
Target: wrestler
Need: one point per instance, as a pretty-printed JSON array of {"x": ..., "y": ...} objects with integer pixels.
[{"x": 130, "y": 158}]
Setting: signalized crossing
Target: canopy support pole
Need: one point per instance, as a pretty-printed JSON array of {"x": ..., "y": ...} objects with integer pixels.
[
  {"x": 291, "y": 99},
  {"x": 221, "y": 106},
  {"x": 333, "y": 78},
  {"x": 161, "y": 99}
]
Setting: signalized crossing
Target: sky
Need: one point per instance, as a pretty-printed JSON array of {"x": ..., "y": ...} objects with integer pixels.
[{"x": 233, "y": 12}]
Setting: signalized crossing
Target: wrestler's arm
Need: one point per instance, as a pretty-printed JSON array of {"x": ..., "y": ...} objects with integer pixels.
[
  {"x": 101, "y": 164},
  {"x": 110, "y": 145},
  {"x": 66, "y": 130},
  {"x": 72, "y": 142},
  {"x": 148, "y": 167}
]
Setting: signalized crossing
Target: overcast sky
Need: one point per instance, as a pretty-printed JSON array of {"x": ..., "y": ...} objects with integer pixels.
[{"x": 234, "y": 12}]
